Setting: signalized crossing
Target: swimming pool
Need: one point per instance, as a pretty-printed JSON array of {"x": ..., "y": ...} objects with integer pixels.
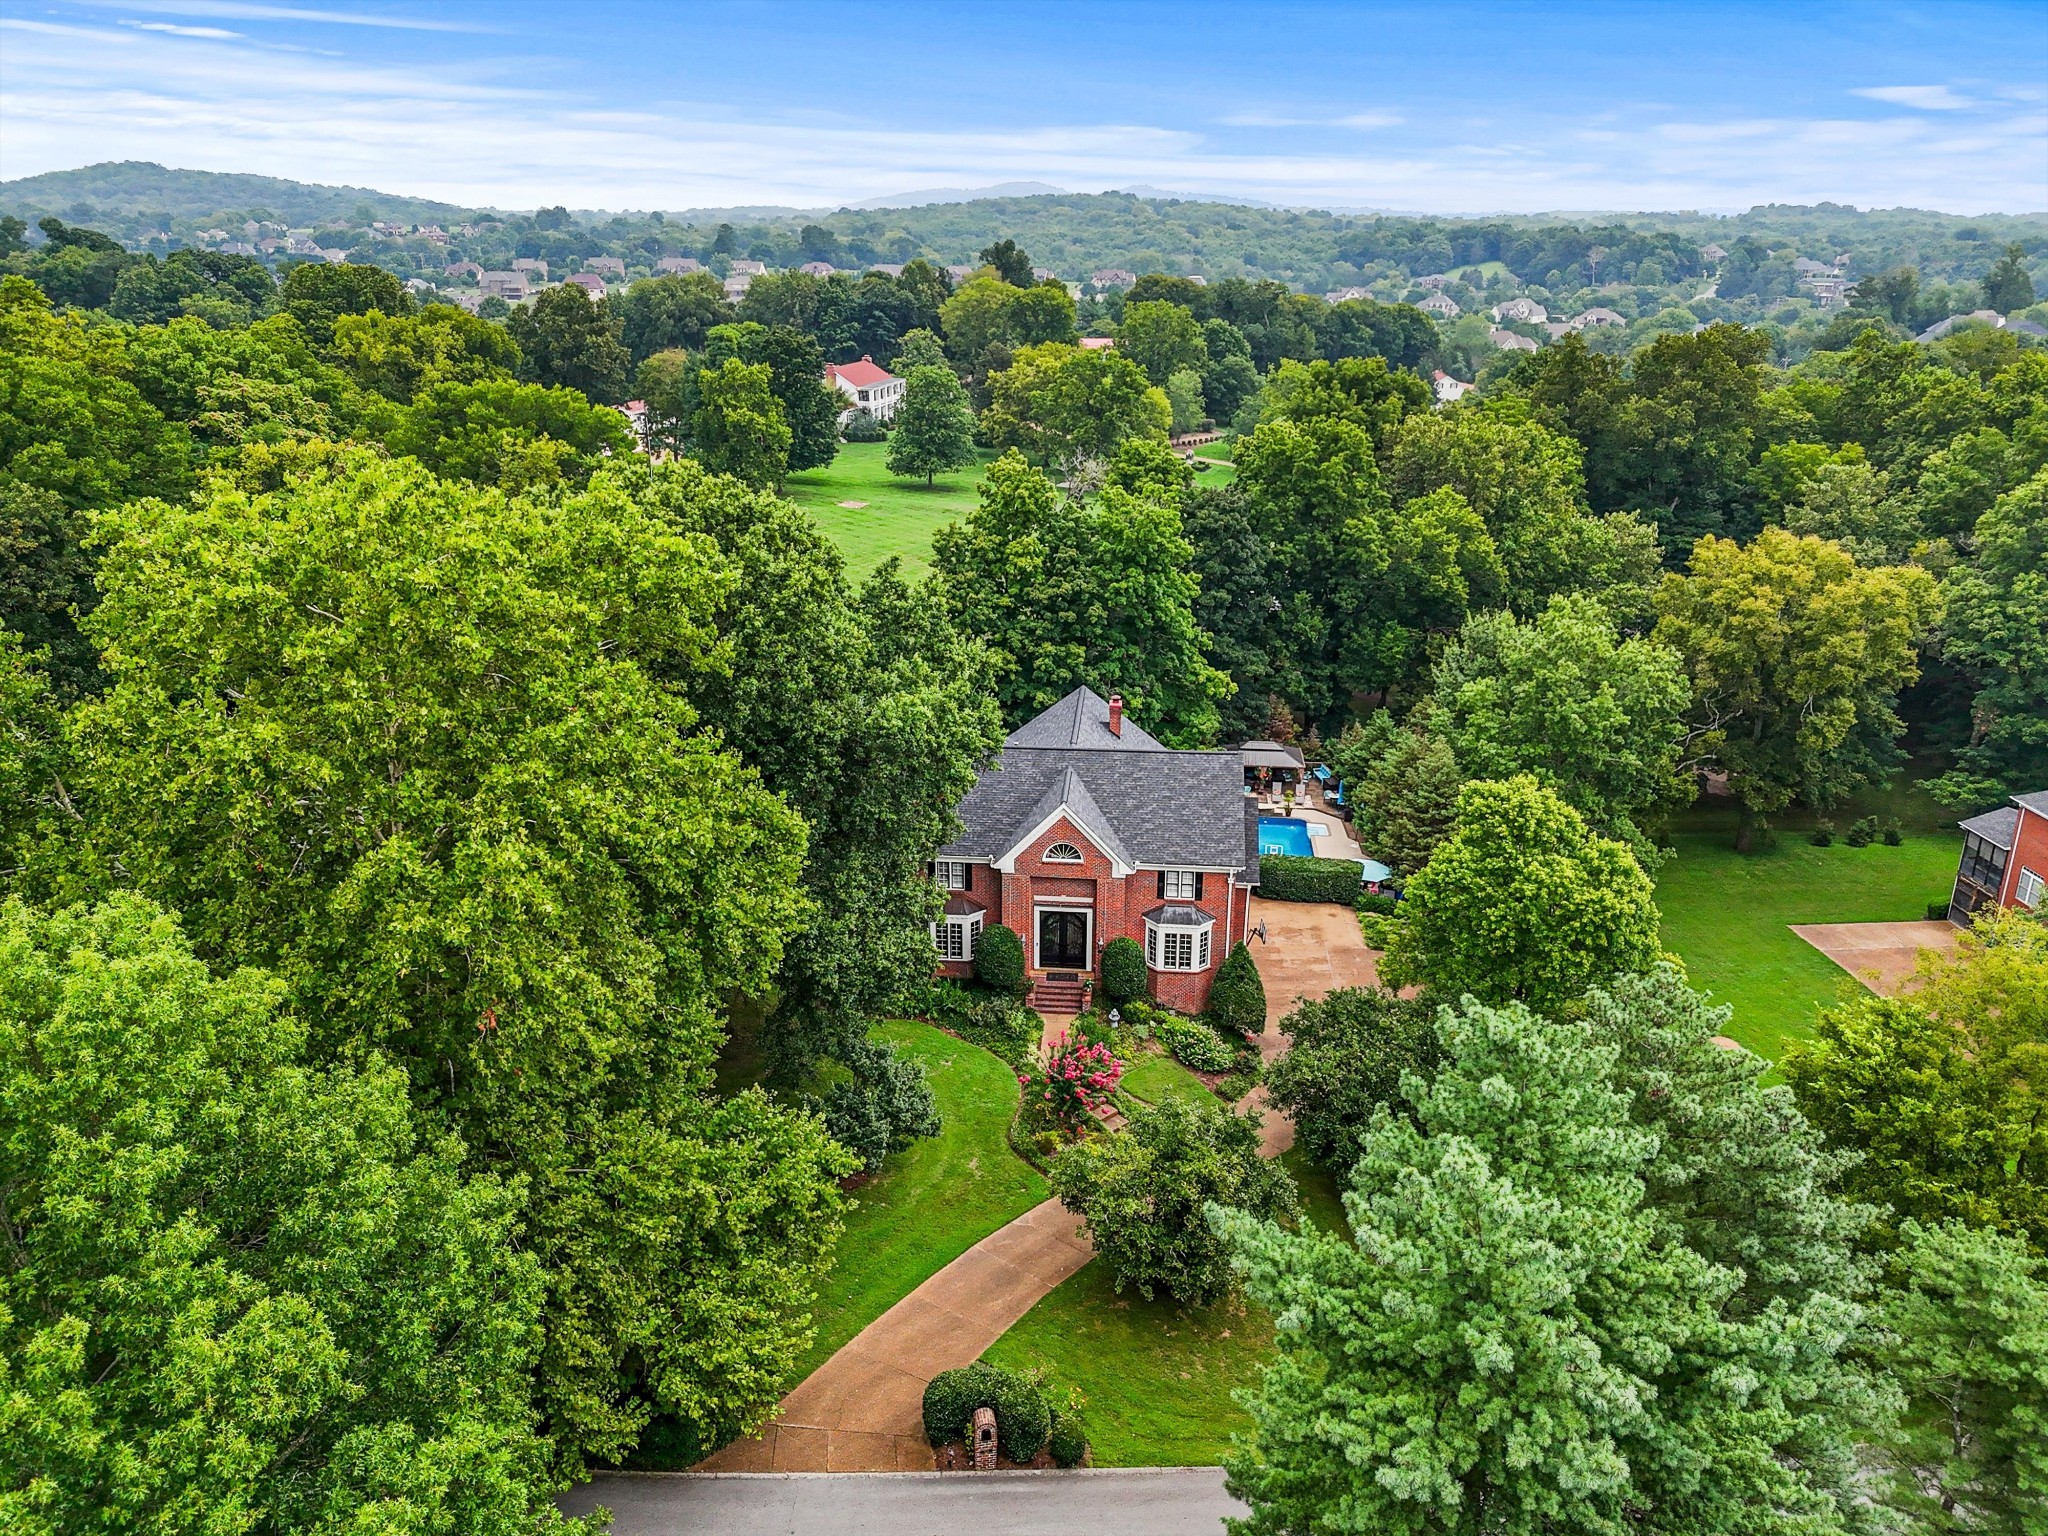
[{"x": 1284, "y": 834}]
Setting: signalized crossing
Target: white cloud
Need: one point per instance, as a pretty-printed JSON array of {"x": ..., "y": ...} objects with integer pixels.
[
  {"x": 490, "y": 132},
  {"x": 1928, "y": 98},
  {"x": 1370, "y": 120},
  {"x": 177, "y": 31},
  {"x": 1274, "y": 120},
  {"x": 250, "y": 10}
]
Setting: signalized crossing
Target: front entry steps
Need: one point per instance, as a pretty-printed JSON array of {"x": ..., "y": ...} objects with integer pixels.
[{"x": 1051, "y": 996}]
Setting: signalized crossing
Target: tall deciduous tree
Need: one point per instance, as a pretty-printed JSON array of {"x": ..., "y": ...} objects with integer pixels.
[
  {"x": 317, "y": 294},
  {"x": 509, "y": 435},
  {"x": 1522, "y": 902},
  {"x": 1162, "y": 339},
  {"x": 1526, "y": 1337},
  {"x": 1796, "y": 655},
  {"x": 400, "y": 355},
  {"x": 658, "y": 314},
  {"x": 567, "y": 341},
  {"x": 1598, "y": 719},
  {"x": 737, "y": 428},
  {"x": 400, "y": 740},
  {"x": 933, "y": 430},
  {"x": 1010, "y": 262},
  {"x": 245, "y": 1289},
  {"x": 796, "y": 377},
  {"x": 1065, "y": 405},
  {"x": 2007, "y": 286}
]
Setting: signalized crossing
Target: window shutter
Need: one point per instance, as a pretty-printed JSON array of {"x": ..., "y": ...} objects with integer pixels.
[
  {"x": 1198, "y": 885},
  {"x": 1161, "y": 893}
]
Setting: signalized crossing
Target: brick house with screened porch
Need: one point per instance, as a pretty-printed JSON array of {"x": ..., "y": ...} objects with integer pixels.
[
  {"x": 2005, "y": 859},
  {"x": 1087, "y": 829}
]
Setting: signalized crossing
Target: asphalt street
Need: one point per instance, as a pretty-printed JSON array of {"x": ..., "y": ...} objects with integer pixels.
[{"x": 1151, "y": 1501}]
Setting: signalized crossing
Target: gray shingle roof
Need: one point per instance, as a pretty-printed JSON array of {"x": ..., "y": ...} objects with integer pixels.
[
  {"x": 1995, "y": 827},
  {"x": 2037, "y": 802},
  {"x": 1081, "y": 719},
  {"x": 1151, "y": 805}
]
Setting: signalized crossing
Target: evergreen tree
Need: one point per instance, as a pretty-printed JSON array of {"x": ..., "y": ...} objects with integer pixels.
[
  {"x": 2007, "y": 286},
  {"x": 920, "y": 349},
  {"x": 1406, "y": 803},
  {"x": 1011, "y": 264},
  {"x": 934, "y": 428}
]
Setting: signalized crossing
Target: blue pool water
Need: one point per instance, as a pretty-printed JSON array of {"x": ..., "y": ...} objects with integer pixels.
[{"x": 1284, "y": 834}]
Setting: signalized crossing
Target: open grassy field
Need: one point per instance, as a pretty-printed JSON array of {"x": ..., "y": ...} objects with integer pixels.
[
  {"x": 900, "y": 516},
  {"x": 933, "y": 1202},
  {"x": 1157, "y": 1377},
  {"x": 1726, "y": 915}
]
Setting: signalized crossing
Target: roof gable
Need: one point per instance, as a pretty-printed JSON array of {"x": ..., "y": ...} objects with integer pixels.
[
  {"x": 1067, "y": 798},
  {"x": 1081, "y": 720}
]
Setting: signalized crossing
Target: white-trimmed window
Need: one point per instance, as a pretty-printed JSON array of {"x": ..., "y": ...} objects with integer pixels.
[
  {"x": 1180, "y": 885},
  {"x": 2028, "y": 892},
  {"x": 954, "y": 937},
  {"x": 950, "y": 873},
  {"x": 1177, "y": 946},
  {"x": 1062, "y": 853}
]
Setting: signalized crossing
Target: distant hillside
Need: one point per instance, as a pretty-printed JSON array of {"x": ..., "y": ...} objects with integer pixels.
[{"x": 127, "y": 198}]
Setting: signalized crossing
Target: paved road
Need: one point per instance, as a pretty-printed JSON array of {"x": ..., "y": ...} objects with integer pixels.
[{"x": 1156, "y": 1501}]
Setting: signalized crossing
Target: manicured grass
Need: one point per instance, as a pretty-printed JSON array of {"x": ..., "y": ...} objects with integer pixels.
[
  {"x": 933, "y": 1202},
  {"x": 1726, "y": 915},
  {"x": 1157, "y": 1377},
  {"x": 900, "y": 516},
  {"x": 1152, "y": 1078},
  {"x": 1321, "y": 1193}
]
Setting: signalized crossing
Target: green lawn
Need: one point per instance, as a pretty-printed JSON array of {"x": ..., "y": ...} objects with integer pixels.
[
  {"x": 900, "y": 516},
  {"x": 1152, "y": 1078},
  {"x": 1322, "y": 1202},
  {"x": 932, "y": 1203},
  {"x": 1157, "y": 1377},
  {"x": 1726, "y": 915}
]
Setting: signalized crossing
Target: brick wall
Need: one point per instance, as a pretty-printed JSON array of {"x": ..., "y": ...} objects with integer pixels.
[{"x": 2029, "y": 851}]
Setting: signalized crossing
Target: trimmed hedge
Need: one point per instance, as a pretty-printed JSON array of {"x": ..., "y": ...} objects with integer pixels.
[
  {"x": 1123, "y": 970},
  {"x": 1195, "y": 1046},
  {"x": 1237, "y": 998},
  {"x": 1286, "y": 877},
  {"x": 1022, "y": 1418},
  {"x": 1069, "y": 1442},
  {"x": 999, "y": 960}
]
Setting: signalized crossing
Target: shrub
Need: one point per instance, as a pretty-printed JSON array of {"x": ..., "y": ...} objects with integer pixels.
[
  {"x": 1823, "y": 833},
  {"x": 1002, "y": 1026},
  {"x": 1123, "y": 970},
  {"x": 1286, "y": 877},
  {"x": 864, "y": 427},
  {"x": 1863, "y": 833},
  {"x": 1379, "y": 931},
  {"x": 882, "y": 1108},
  {"x": 1022, "y": 1418},
  {"x": 936, "y": 998},
  {"x": 1145, "y": 1194},
  {"x": 1937, "y": 911},
  {"x": 999, "y": 960},
  {"x": 1384, "y": 903},
  {"x": 1076, "y": 1081},
  {"x": 1068, "y": 1441},
  {"x": 1237, "y": 998},
  {"x": 1194, "y": 1045},
  {"x": 1894, "y": 834},
  {"x": 1347, "y": 1058}
]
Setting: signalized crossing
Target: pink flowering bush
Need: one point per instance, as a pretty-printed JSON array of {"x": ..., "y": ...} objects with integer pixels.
[{"x": 1075, "y": 1081}]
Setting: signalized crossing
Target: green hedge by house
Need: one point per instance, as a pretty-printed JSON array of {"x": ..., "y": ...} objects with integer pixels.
[
  {"x": 1023, "y": 1419},
  {"x": 1123, "y": 970},
  {"x": 1237, "y": 998},
  {"x": 999, "y": 960},
  {"x": 1285, "y": 877}
]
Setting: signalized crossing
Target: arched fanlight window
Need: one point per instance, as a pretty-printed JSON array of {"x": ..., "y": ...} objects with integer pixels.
[{"x": 1062, "y": 853}]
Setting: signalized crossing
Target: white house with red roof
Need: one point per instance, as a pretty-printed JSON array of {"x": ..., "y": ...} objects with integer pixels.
[{"x": 868, "y": 385}]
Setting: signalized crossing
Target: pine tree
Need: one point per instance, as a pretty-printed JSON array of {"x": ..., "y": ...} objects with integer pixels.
[
  {"x": 934, "y": 428},
  {"x": 1408, "y": 802},
  {"x": 2007, "y": 286}
]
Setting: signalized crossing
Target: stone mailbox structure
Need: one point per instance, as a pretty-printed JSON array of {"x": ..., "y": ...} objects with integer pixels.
[{"x": 983, "y": 1439}]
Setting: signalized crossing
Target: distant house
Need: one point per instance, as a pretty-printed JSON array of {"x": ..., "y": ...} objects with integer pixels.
[
  {"x": 1098, "y": 343},
  {"x": 1434, "y": 280},
  {"x": 747, "y": 268},
  {"x": 736, "y": 286},
  {"x": 464, "y": 299},
  {"x": 1044, "y": 275},
  {"x": 589, "y": 282},
  {"x": 1586, "y": 320},
  {"x": 1557, "y": 328},
  {"x": 1941, "y": 328},
  {"x": 1447, "y": 388},
  {"x": 961, "y": 272},
  {"x": 417, "y": 285},
  {"x": 2005, "y": 858},
  {"x": 1087, "y": 829},
  {"x": 818, "y": 268},
  {"x": 635, "y": 412},
  {"x": 888, "y": 268},
  {"x": 1524, "y": 311},
  {"x": 1510, "y": 341},
  {"x": 1442, "y": 305},
  {"x": 1346, "y": 295},
  {"x": 1805, "y": 266},
  {"x": 1712, "y": 255},
  {"x": 1198, "y": 280},
  {"x": 464, "y": 269},
  {"x": 1113, "y": 277},
  {"x": 531, "y": 264},
  {"x": 504, "y": 285},
  {"x": 678, "y": 265},
  {"x": 611, "y": 264},
  {"x": 871, "y": 388}
]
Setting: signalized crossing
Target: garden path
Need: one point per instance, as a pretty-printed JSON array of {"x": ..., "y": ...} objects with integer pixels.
[{"x": 862, "y": 1410}]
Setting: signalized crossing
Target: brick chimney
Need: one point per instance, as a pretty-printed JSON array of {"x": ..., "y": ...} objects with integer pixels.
[{"x": 1116, "y": 714}]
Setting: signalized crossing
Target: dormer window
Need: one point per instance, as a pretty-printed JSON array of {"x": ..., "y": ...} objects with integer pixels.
[{"x": 1062, "y": 853}]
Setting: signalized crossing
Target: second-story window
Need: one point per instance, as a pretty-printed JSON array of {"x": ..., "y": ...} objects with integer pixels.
[
  {"x": 950, "y": 873},
  {"x": 1180, "y": 885}
]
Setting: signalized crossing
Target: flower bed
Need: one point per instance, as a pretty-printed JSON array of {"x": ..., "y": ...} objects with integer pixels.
[{"x": 1075, "y": 1082}]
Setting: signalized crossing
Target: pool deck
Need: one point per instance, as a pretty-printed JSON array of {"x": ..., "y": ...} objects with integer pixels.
[{"x": 1336, "y": 843}]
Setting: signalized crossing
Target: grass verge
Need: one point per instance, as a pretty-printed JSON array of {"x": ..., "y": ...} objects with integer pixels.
[
  {"x": 932, "y": 1203},
  {"x": 900, "y": 516},
  {"x": 1157, "y": 1377},
  {"x": 1727, "y": 915}
]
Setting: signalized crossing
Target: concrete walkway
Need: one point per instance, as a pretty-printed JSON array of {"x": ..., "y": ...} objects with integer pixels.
[
  {"x": 1883, "y": 956},
  {"x": 1150, "y": 1501},
  {"x": 863, "y": 1409}
]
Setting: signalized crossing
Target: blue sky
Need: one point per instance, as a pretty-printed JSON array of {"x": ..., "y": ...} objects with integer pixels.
[{"x": 1455, "y": 108}]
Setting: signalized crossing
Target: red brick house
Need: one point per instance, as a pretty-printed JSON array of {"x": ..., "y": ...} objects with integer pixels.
[
  {"x": 1086, "y": 829},
  {"x": 2005, "y": 858}
]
